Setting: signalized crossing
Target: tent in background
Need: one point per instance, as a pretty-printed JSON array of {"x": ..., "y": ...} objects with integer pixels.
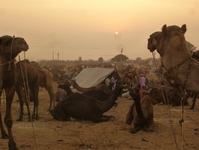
[{"x": 90, "y": 77}]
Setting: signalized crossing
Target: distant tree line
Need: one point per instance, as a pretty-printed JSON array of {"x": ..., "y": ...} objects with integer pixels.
[{"x": 115, "y": 59}]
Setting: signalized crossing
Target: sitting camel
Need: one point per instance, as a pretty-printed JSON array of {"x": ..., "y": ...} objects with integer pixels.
[
  {"x": 140, "y": 115},
  {"x": 63, "y": 91},
  {"x": 165, "y": 95},
  {"x": 85, "y": 107},
  {"x": 99, "y": 94}
]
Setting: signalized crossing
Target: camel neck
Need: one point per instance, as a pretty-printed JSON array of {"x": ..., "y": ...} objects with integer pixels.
[
  {"x": 108, "y": 104},
  {"x": 138, "y": 107}
]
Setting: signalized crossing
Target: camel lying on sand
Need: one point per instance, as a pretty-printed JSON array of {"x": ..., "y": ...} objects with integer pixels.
[{"x": 140, "y": 115}]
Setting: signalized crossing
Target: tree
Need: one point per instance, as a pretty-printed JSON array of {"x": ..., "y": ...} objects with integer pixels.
[
  {"x": 80, "y": 58},
  {"x": 120, "y": 58},
  {"x": 100, "y": 59},
  {"x": 138, "y": 59}
]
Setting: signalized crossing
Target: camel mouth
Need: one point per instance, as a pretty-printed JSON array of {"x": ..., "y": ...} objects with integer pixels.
[
  {"x": 25, "y": 48},
  {"x": 151, "y": 50}
]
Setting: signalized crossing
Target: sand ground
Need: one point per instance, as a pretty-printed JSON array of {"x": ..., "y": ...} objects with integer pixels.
[{"x": 49, "y": 134}]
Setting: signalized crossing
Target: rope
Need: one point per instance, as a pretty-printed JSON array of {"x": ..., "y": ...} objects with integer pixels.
[
  {"x": 170, "y": 116},
  {"x": 153, "y": 54},
  {"x": 25, "y": 83},
  {"x": 168, "y": 106},
  {"x": 183, "y": 142},
  {"x": 9, "y": 67},
  {"x": 8, "y": 62}
]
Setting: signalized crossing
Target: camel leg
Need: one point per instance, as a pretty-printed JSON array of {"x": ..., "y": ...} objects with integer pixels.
[
  {"x": 148, "y": 127},
  {"x": 134, "y": 129},
  {"x": 28, "y": 97},
  {"x": 185, "y": 98},
  {"x": 52, "y": 97},
  {"x": 21, "y": 111},
  {"x": 107, "y": 118},
  {"x": 4, "y": 135},
  {"x": 19, "y": 91},
  {"x": 35, "y": 92},
  {"x": 135, "y": 125},
  {"x": 193, "y": 101},
  {"x": 129, "y": 116},
  {"x": 102, "y": 118},
  {"x": 150, "y": 123},
  {"x": 28, "y": 107},
  {"x": 36, "y": 113},
  {"x": 8, "y": 117},
  {"x": 59, "y": 115}
]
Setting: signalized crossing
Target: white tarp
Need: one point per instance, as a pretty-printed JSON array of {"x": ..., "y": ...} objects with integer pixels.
[{"x": 89, "y": 77}]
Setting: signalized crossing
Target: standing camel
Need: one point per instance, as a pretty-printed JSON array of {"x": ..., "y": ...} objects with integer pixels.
[
  {"x": 10, "y": 47},
  {"x": 170, "y": 43},
  {"x": 30, "y": 76}
]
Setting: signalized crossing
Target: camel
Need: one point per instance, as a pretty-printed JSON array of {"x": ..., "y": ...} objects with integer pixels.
[
  {"x": 46, "y": 81},
  {"x": 177, "y": 60},
  {"x": 63, "y": 91},
  {"x": 140, "y": 114},
  {"x": 30, "y": 76},
  {"x": 170, "y": 43},
  {"x": 101, "y": 92},
  {"x": 84, "y": 107},
  {"x": 10, "y": 47},
  {"x": 195, "y": 55},
  {"x": 60, "y": 94},
  {"x": 166, "y": 95},
  {"x": 97, "y": 93},
  {"x": 193, "y": 95}
]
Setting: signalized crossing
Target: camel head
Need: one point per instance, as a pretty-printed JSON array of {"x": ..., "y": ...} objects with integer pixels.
[
  {"x": 166, "y": 30},
  {"x": 134, "y": 93},
  {"x": 10, "y": 46},
  {"x": 152, "y": 41},
  {"x": 170, "y": 36}
]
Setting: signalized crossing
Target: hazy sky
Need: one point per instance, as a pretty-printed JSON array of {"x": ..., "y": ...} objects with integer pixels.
[{"x": 87, "y": 28}]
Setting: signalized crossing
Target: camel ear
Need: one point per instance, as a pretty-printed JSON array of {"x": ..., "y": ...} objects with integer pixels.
[
  {"x": 184, "y": 28},
  {"x": 164, "y": 30}
]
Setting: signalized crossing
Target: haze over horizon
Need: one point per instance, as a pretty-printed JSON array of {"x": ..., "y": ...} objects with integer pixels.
[{"x": 91, "y": 28}]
